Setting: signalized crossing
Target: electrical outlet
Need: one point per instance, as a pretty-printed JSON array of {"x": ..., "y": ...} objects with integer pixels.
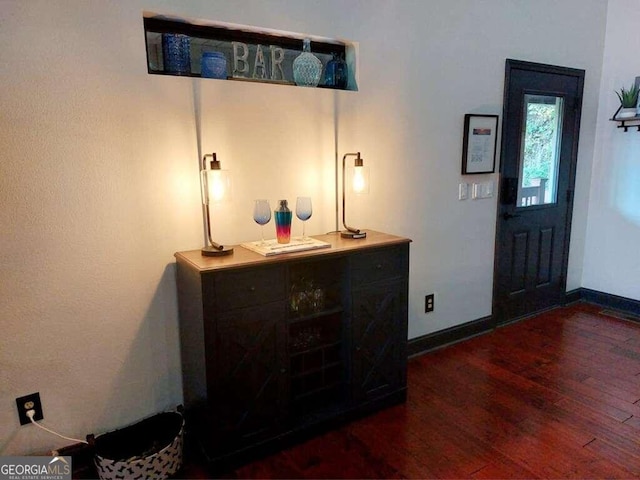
[
  {"x": 29, "y": 402},
  {"x": 429, "y": 302}
]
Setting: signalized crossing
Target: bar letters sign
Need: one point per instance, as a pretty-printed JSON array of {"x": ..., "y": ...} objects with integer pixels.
[{"x": 259, "y": 68}]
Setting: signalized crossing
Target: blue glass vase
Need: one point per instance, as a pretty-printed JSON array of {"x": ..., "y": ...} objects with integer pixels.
[
  {"x": 307, "y": 68},
  {"x": 176, "y": 53},
  {"x": 213, "y": 65}
]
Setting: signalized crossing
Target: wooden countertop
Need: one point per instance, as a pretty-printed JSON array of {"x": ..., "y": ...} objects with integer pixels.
[{"x": 242, "y": 257}]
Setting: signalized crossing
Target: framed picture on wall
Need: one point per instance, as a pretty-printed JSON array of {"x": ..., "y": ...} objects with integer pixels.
[{"x": 480, "y": 141}]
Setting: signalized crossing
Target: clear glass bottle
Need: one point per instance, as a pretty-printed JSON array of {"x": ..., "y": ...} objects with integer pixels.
[
  {"x": 307, "y": 68},
  {"x": 283, "y": 222}
]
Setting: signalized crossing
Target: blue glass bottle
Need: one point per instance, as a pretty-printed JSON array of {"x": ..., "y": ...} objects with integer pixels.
[{"x": 335, "y": 75}]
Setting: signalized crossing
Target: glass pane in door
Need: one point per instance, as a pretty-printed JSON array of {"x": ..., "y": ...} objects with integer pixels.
[{"x": 540, "y": 150}]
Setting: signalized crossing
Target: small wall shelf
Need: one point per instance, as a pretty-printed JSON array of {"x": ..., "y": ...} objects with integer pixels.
[
  {"x": 626, "y": 123},
  {"x": 219, "y": 37}
]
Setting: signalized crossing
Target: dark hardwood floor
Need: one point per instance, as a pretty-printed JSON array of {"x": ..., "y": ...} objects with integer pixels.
[{"x": 553, "y": 396}]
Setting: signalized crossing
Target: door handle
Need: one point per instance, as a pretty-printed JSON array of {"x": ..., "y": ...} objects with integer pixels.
[{"x": 507, "y": 215}]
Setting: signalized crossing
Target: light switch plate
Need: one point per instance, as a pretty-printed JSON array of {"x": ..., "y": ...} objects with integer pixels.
[
  {"x": 487, "y": 189},
  {"x": 482, "y": 190},
  {"x": 463, "y": 191}
]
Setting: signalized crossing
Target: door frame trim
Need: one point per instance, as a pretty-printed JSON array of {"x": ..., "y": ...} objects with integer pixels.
[{"x": 511, "y": 64}]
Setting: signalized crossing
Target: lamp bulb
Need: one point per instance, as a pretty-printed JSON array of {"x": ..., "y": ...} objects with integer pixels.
[
  {"x": 359, "y": 181},
  {"x": 217, "y": 189}
]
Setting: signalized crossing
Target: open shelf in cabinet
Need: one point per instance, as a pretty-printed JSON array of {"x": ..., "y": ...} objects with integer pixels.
[
  {"x": 317, "y": 362},
  {"x": 323, "y": 313},
  {"x": 316, "y": 288}
]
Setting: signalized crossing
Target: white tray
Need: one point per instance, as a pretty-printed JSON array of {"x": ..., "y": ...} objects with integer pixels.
[{"x": 272, "y": 247}]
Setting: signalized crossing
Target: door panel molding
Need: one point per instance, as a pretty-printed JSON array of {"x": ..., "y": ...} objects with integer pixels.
[
  {"x": 545, "y": 256},
  {"x": 519, "y": 261}
]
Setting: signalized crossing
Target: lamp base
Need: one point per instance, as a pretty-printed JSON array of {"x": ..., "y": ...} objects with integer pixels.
[
  {"x": 214, "y": 252},
  {"x": 353, "y": 235}
]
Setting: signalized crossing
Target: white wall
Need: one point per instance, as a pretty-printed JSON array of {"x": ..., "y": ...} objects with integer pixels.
[
  {"x": 422, "y": 68},
  {"x": 611, "y": 261},
  {"x": 99, "y": 179}
]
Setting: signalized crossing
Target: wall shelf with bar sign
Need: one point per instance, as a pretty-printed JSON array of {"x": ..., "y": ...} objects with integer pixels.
[{"x": 176, "y": 47}]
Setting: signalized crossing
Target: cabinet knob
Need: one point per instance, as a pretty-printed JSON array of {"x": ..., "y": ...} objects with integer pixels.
[
  {"x": 379, "y": 266},
  {"x": 283, "y": 370},
  {"x": 358, "y": 348},
  {"x": 252, "y": 288}
]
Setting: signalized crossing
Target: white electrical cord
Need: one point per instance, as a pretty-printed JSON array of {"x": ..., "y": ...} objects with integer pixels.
[{"x": 32, "y": 413}]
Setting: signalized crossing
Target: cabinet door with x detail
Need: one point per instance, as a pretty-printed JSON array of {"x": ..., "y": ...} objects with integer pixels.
[
  {"x": 248, "y": 394},
  {"x": 379, "y": 334}
]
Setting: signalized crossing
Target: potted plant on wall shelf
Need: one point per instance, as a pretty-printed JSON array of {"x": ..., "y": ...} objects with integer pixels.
[{"x": 628, "y": 102}]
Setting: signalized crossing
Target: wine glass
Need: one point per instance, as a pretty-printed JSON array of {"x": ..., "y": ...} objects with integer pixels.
[
  {"x": 303, "y": 212},
  {"x": 262, "y": 215}
]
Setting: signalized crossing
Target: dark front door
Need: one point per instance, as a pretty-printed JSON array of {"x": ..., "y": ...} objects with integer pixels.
[{"x": 541, "y": 120}]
